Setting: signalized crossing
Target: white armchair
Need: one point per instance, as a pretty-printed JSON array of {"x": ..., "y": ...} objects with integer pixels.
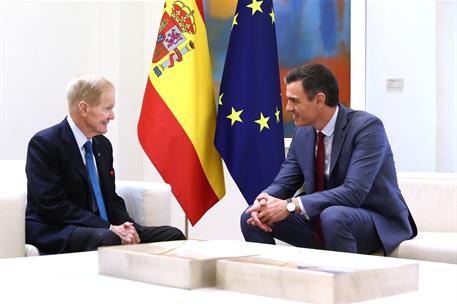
[
  {"x": 12, "y": 224},
  {"x": 432, "y": 199},
  {"x": 148, "y": 203}
]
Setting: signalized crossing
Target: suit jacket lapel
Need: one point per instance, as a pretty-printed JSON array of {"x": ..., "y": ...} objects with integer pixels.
[
  {"x": 338, "y": 136},
  {"x": 72, "y": 149}
]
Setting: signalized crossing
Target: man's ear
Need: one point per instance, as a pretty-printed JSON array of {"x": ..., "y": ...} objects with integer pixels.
[
  {"x": 82, "y": 108},
  {"x": 320, "y": 98}
]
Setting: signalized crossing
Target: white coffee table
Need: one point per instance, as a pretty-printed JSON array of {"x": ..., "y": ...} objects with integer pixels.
[{"x": 74, "y": 278}]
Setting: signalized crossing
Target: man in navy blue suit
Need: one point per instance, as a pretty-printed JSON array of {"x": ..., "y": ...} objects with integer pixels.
[
  {"x": 351, "y": 200},
  {"x": 72, "y": 204}
]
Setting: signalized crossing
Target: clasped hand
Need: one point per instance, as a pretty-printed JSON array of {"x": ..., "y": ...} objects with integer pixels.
[
  {"x": 127, "y": 233},
  {"x": 267, "y": 210}
]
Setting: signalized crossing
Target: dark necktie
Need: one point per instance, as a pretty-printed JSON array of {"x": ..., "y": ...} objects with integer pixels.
[
  {"x": 89, "y": 155},
  {"x": 320, "y": 160},
  {"x": 319, "y": 181}
]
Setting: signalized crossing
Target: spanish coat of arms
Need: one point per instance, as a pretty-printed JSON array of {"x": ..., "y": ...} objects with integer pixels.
[{"x": 175, "y": 36}]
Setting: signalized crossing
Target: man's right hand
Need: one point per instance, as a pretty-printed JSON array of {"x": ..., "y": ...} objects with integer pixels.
[{"x": 127, "y": 233}]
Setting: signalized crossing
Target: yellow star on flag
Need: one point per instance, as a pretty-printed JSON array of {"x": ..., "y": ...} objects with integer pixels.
[
  {"x": 277, "y": 114},
  {"x": 263, "y": 122},
  {"x": 255, "y": 6},
  {"x": 220, "y": 99},
  {"x": 272, "y": 15},
  {"x": 235, "y": 116},
  {"x": 235, "y": 22}
]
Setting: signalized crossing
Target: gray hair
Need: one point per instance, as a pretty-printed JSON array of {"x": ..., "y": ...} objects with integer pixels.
[{"x": 87, "y": 87}]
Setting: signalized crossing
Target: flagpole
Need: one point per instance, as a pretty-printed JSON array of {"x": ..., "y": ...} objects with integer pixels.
[{"x": 186, "y": 227}]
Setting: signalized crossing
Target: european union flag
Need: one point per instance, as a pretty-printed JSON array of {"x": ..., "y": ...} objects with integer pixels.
[{"x": 249, "y": 132}]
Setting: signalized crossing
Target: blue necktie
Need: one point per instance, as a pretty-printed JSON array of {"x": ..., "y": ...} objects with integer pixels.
[{"x": 89, "y": 155}]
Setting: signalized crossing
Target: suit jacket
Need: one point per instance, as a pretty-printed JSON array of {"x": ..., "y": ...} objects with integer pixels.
[
  {"x": 362, "y": 175},
  {"x": 59, "y": 194}
]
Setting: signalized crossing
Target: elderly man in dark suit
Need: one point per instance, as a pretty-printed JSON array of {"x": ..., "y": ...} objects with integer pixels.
[
  {"x": 351, "y": 200},
  {"x": 72, "y": 204}
]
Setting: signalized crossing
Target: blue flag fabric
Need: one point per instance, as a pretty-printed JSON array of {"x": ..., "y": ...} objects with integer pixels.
[{"x": 249, "y": 132}]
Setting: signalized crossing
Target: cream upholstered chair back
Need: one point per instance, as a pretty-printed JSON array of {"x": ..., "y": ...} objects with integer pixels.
[
  {"x": 432, "y": 199},
  {"x": 13, "y": 184}
]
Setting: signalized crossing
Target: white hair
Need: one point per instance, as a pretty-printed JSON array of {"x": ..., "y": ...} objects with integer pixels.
[{"x": 87, "y": 87}]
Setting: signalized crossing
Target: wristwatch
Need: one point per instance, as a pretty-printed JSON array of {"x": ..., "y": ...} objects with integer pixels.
[{"x": 290, "y": 206}]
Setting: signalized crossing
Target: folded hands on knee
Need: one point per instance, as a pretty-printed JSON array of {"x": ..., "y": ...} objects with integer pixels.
[
  {"x": 267, "y": 210},
  {"x": 127, "y": 233}
]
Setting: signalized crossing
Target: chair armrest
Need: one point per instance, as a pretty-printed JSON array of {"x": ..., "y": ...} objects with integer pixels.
[
  {"x": 31, "y": 251},
  {"x": 12, "y": 224},
  {"x": 148, "y": 203}
]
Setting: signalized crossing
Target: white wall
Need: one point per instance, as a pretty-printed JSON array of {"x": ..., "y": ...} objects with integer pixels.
[
  {"x": 446, "y": 85},
  {"x": 358, "y": 55},
  {"x": 43, "y": 45},
  {"x": 415, "y": 40},
  {"x": 400, "y": 44}
]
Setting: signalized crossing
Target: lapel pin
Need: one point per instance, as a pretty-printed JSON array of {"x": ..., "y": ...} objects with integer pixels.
[
  {"x": 98, "y": 154},
  {"x": 111, "y": 172}
]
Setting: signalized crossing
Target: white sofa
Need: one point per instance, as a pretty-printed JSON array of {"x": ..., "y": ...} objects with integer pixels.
[
  {"x": 432, "y": 200},
  {"x": 148, "y": 203},
  {"x": 431, "y": 197}
]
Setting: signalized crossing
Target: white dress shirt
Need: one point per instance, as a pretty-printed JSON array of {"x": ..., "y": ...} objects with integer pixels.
[{"x": 80, "y": 139}]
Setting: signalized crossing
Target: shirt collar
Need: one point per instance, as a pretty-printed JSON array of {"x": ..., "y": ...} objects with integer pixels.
[
  {"x": 330, "y": 127},
  {"x": 78, "y": 134}
]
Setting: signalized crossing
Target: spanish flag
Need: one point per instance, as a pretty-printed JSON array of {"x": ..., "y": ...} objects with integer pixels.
[{"x": 178, "y": 118}]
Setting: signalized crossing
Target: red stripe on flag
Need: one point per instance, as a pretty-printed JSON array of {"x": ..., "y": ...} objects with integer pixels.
[
  {"x": 200, "y": 8},
  {"x": 174, "y": 156}
]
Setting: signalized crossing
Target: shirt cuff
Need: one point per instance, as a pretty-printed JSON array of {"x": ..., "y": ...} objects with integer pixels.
[{"x": 303, "y": 210}]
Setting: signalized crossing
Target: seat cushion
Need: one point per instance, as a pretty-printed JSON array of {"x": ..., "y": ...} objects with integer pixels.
[{"x": 429, "y": 246}]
